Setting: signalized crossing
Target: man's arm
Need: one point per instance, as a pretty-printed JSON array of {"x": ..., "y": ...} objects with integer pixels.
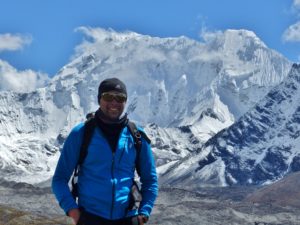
[
  {"x": 148, "y": 178},
  {"x": 64, "y": 169}
]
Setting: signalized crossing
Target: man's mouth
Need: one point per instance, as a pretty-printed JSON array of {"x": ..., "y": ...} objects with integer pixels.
[{"x": 113, "y": 109}]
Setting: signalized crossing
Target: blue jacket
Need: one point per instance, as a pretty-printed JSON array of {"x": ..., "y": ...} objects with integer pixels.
[{"x": 105, "y": 178}]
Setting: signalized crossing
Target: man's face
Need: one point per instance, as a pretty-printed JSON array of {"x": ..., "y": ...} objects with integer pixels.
[{"x": 112, "y": 104}]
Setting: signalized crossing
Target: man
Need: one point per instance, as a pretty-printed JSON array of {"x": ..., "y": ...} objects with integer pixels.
[{"x": 106, "y": 175}]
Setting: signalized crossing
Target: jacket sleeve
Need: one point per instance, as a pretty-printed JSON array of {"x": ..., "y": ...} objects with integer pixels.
[
  {"x": 64, "y": 170},
  {"x": 148, "y": 178}
]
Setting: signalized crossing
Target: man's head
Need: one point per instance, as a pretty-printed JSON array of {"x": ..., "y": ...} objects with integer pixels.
[{"x": 112, "y": 97}]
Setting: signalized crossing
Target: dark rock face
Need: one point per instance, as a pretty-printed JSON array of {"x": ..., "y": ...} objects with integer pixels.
[{"x": 260, "y": 134}]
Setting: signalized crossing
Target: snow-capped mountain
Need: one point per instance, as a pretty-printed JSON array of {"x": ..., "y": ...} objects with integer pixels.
[
  {"x": 261, "y": 147},
  {"x": 183, "y": 91}
]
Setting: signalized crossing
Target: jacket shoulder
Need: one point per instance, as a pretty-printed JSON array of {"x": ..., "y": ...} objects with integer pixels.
[
  {"x": 78, "y": 128},
  {"x": 77, "y": 131}
]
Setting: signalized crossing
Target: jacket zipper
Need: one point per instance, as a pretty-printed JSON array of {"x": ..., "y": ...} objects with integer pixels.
[
  {"x": 113, "y": 178},
  {"x": 113, "y": 186}
]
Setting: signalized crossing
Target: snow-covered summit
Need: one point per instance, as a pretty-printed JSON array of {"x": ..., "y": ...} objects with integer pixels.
[{"x": 165, "y": 72}]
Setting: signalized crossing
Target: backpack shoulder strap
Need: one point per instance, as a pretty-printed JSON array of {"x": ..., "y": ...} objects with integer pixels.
[
  {"x": 89, "y": 128},
  {"x": 137, "y": 138},
  {"x": 137, "y": 135}
]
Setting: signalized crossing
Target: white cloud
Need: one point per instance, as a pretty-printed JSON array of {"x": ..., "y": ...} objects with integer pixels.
[
  {"x": 209, "y": 36},
  {"x": 100, "y": 34},
  {"x": 292, "y": 34},
  {"x": 20, "y": 81},
  {"x": 296, "y": 4},
  {"x": 295, "y": 9},
  {"x": 105, "y": 42},
  {"x": 10, "y": 42}
]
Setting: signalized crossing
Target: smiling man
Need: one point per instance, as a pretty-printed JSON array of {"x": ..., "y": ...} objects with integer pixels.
[{"x": 106, "y": 189}]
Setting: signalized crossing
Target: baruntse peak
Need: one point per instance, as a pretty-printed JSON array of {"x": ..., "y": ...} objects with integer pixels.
[{"x": 244, "y": 35}]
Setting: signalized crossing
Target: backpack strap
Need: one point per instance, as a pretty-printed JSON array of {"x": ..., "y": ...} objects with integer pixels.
[
  {"x": 135, "y": 193},
  {"x": 137, "y": 138},
  {"x": 89, "y": 128},
  {"x": 135, "y": 133}
]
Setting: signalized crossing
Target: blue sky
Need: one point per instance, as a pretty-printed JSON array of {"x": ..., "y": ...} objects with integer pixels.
[{"x": 39, "y": 35}]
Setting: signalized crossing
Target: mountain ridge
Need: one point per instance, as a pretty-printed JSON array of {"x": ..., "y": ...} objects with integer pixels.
[
  {"x": 190, "y": 89},
  {"x": 260, "y": 148}
]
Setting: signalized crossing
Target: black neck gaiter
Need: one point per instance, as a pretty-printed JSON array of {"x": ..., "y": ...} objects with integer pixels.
[{"x": 110, "y": 128}]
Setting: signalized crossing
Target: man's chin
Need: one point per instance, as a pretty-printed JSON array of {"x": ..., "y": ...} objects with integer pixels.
[{"x": 114, "y": 116}]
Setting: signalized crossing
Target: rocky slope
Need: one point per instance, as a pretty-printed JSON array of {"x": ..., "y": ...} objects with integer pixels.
[
  {"x": 207, "y": 206},
  {"x": 260, "y": 148}
]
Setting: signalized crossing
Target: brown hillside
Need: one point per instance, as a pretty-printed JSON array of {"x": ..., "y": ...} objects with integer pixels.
[
  {"x": 10, "y": 216},
  {"x": 285, "y": 192}
]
